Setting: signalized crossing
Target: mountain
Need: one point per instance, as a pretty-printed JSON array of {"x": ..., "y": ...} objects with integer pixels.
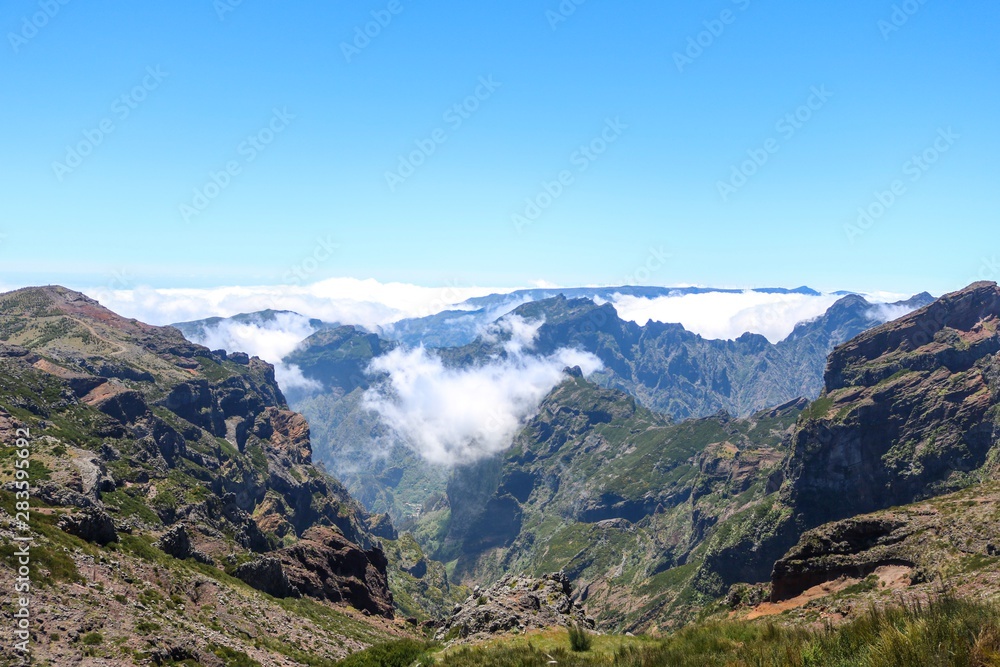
[
  {"x": 201, "y": 329},
  {"x": 669, "y": 370},
  {"x": 655, "y": 521},
  {"x": 175, "y": 508},
  {"x": 622, "y": 501},
  {"x": 682, "y": 374},
  {"x": 460, "y": 326}
]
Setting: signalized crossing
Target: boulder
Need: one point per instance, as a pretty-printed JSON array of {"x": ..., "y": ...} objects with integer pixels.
[
  {"x": 92, "y": 524},
  {"x": 267, "y": 575}
]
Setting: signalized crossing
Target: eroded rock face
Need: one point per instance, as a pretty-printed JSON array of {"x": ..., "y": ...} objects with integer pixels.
[
  {"x": 907, "y": 412},
  {"x": 853, "y": 547},
  {"x": 267, "y": 574},
  {"x": 176, "y": 542},
  {"x": 325, "y": 565},
  {"x": 955, "y": 533},
  {"x": 515, "y": 603},
  {"x": 92, "y": 524}
]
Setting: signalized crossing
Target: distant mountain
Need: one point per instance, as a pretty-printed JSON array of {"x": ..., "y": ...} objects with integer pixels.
[
  {"x": 456, "y": 327},
  {"x": 198, "y": 329},
  {"x": 682, "y": 374},
  {"x": 669, "y": 370},
  {"x": 625, "y": 503},
  {"x": 654, "y": 521}
]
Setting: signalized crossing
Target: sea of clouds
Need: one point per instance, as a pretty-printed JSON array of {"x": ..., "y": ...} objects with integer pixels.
[{"x": 450, "y": 415}]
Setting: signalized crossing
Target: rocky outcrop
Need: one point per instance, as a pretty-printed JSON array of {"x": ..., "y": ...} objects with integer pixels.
[
  {"x": 515, "y": 604},
  {"x": 853, "y": 547},
  {"x": 176, "y": 542},
  {"x": 267, "y": 575},
  {"x": 955, "y": 534},
  {"x": 325, "y": 565},
  {"x": 908, "y": 411},
  {"x": 92, "y": 524}
]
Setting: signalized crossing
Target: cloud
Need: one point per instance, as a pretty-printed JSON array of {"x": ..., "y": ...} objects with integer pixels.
[
  {"x": 368, "y": 303},
  {"x": 453, "y": 416},
  {"x": 886, "y": 312},
  {"x": 721, "y": 315},
  {"x": 271, "y": 340}
]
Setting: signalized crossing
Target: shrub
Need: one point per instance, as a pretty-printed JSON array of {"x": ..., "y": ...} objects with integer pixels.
[{"x": 579, "y": 639}]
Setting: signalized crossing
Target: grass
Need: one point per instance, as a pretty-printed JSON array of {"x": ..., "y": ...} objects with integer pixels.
[
  {"x": 579, "y": 639},
  {"x": 944, "y": 633},
  {"x": 402, "y": 653}
]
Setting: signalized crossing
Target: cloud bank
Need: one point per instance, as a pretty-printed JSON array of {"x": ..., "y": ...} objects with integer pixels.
[
  {"x": 452, "y": 416},
  {"x": 271, "y": 340},
  {"x": 371, "y": 304},
  {"x": 720, "y": 315},
  {"x": 367, "y": 303}
]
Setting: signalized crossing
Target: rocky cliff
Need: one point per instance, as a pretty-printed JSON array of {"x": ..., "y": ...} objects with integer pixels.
[{"x": 163, "y": 451}]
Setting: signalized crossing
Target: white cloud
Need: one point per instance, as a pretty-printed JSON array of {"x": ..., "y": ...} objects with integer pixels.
[
  {"x": 458, "y": 415},
  {"x": 271, "y": 340},
  {"x": 721, "y": 315},
  {"x": 367, "y": 303}
]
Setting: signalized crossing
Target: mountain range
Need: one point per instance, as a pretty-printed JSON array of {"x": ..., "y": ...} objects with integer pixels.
[{"x": 181, "y": 514}]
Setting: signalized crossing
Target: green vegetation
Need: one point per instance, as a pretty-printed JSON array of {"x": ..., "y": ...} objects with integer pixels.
[
  {"x": 401, "y": 653},
  {"x": 579, "y": 639},
  {"x": 946, "y": 633}
]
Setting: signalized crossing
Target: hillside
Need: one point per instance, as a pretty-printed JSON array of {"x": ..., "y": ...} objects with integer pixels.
[
  {"x": 654, "y": 521},
  {"x": 667, "y": 368},
  {"x": 177, "y": 513}
]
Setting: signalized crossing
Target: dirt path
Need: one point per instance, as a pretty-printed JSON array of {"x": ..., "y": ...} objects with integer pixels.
[{"x": 121, "y": 348}]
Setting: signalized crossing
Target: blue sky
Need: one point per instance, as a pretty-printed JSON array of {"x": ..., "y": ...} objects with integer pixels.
[{"x": 207, "y": 85}]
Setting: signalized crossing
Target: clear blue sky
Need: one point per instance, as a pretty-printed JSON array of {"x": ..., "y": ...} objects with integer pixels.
[{"x": 656, "y": 185}]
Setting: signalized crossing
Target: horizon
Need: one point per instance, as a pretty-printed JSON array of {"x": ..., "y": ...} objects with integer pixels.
[{"x": 431, "y": 153}]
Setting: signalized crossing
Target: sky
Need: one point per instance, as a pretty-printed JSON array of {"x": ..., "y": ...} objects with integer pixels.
[{"x": 198, "y": 144}]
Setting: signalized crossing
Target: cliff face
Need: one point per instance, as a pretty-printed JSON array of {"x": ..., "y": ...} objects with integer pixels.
[
  {"x": 909, "y": 411},
  {"x": 909, "y": 414},
  {"x": 140, "y": 438}
]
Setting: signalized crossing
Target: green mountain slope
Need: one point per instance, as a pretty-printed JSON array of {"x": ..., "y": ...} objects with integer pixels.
[{"x": 176, "y": 511}]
